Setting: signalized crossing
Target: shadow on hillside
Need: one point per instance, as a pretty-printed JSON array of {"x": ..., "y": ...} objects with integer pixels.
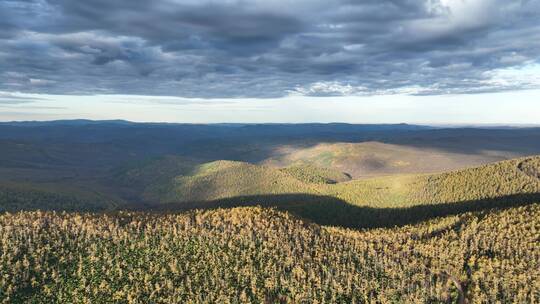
[{"x": 326, "y": 210}]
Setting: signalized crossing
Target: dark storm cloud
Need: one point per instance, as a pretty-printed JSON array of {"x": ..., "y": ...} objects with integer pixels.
[{"x": 261, "y": 48}]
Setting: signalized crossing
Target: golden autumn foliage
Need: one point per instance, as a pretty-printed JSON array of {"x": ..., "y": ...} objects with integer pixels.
[{"x": 258, "y": 255}]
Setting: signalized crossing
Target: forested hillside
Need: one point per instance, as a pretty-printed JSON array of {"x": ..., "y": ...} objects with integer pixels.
[
  {"x": 16, "y": 197},
  {"x": 327, "y": 196},
  {"x": 255, "y": 255}
]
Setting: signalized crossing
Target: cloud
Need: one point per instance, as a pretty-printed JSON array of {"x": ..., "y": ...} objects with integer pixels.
[
  {"x": 7, "y": 98},
  {"x": 263, "y": 49}
]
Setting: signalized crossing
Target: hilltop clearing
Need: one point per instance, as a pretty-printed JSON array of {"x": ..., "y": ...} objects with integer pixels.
[{"x": 372, "y": 159}]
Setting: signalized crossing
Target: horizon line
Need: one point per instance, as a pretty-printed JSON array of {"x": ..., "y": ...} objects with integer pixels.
[{"x": 440, "y": 125}]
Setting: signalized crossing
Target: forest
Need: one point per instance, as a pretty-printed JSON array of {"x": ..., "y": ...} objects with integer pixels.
[
  {"x": 167, "y": 227},
  {"x": 259, "y": 255}
]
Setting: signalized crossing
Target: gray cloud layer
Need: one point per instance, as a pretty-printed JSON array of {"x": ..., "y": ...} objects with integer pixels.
[{"x": 263, "y": 48}]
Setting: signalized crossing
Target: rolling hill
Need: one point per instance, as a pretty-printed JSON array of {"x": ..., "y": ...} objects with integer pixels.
[
  {"x": 173, "y": 180},
  {"x": 327, "y": 197},
  {"x": 488, "y": 181},
  {"x": 31, "y": 196},
  {"x": 322, "y": 195},
  {"x": 372, "y": 159},
  {"x": 176, "y": 179},
  {"x": 311, "y": 174}
]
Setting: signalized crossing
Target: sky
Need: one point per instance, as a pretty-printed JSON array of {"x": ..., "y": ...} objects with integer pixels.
[{"x": 413, "y": 61}]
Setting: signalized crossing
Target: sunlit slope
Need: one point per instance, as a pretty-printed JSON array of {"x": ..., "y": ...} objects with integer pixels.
[
  {"x": 255, "y": 255},
  {"x": 174, "y": 180},
  {"x": 505, "y": 178},
  {"x": 223, "y": 179},
  {"x": 371, "y": 159},
  {"x": 169, "y": 181},
  {"x": 377, "y": 202},
  {"x": 317, "y": 175}
]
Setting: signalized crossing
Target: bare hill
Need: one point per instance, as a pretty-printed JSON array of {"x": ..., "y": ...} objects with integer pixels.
[{"x": 371, "y": 159}]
